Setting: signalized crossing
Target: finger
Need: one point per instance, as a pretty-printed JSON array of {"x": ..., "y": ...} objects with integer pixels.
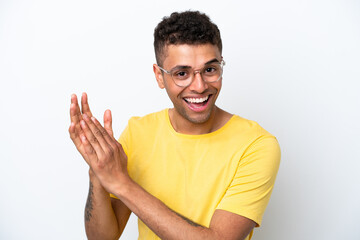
[
  {"x": 73, "y": 107},
  {"x": 93, "y": 135},
  {"x": 75, "y": 114},
  {"x": 85, "y": 108},
  {"x": 110, "y": 140},
  {"x": 74, "y": 135},
  {"x": 76, "y": 138},
  {"x": 73, "y": 98},
  {"x": 106, "y": 141},
  {"x": 89, "y": 150},
  {"x": 108, "y": 122},
  {"x": 121, "y": 149},
  {"x": 76, "y": 117}
]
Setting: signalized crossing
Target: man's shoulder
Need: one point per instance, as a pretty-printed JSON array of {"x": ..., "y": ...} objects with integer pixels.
[
  {"x": 148, "y": 119},
  {"x": 250, "y": 135},
  {"x": 243, "y": 125}
]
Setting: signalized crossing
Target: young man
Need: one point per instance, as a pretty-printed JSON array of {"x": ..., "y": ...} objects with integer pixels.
[{"x": 191, "y": 172}]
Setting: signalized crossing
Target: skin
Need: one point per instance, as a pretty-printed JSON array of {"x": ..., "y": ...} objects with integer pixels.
[
  {"x": 106, "y": 218},
  {"x": 183, "y": 119}
]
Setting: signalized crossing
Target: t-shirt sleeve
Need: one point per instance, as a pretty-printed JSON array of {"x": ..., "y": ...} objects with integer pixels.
[{"x": 252, "y": 184}]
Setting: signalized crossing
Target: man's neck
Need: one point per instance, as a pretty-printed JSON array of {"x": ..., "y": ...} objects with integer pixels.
[{"x": 217, "y": 119}]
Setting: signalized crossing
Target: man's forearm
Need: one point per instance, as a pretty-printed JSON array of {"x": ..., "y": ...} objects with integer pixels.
[
  {"x": 164, "y": 222},
  {"x": 100, "y": 220}
]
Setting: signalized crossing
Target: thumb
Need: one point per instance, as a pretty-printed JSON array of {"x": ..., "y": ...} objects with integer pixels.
[{"x": 108, "y": 122}]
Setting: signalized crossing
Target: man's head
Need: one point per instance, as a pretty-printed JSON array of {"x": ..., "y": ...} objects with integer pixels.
[
  {"x": 188, "y": 52},
  {"x": 190, "y": 27}
]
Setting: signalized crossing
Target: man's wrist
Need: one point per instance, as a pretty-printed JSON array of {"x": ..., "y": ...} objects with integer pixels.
[
  {"x": 95, "y": 181},
  {"x": 92, "y": 176},
  {"x": 124, "y": 187}
]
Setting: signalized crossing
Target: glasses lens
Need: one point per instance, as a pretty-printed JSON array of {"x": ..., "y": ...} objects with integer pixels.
[
  {"x": 212, "y": 72},
  {"x": 182, "y": 77}
]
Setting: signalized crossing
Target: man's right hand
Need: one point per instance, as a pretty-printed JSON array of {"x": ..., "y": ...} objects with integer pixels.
[
  {"x": 105, "y": 218},
  {"x": 76, "y": 115}
]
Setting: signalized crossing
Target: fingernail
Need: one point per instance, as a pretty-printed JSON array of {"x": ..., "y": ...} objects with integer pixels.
[
  {"x": 93, "y": 119},
  {"x": 85, "y": 116},
  {"x": 82, "y": 123}
]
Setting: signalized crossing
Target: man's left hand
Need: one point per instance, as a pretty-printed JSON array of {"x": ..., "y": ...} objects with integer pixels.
[{"x": 106, "y": 156}]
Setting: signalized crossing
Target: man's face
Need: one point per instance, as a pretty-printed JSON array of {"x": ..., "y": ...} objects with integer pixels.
[{"x": 196, "y": 102}]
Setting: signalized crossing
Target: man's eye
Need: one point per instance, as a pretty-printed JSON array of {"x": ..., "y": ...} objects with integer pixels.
[
  {"x": 180, "y": 74},
  {"x": 210, "y": 69}
]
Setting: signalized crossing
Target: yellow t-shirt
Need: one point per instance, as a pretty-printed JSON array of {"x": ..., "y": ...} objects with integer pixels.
[{"x": 233, "y": 168}]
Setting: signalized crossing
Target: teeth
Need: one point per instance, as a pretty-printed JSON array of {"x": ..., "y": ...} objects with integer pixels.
[{"x": 197, "y": 100}]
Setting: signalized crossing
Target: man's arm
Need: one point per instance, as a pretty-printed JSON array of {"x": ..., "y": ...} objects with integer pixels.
[
  {"x": 101, "y": 213},
  {"x": 109, "y": 163},
  {"x": 170, "y": 225},
  {"x": 105, "y": 218}
]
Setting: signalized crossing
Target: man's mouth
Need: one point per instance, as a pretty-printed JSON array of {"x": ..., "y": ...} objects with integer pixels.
[
  {"x": 197, "y": 100},
  {"x": 198, "y": 104}
]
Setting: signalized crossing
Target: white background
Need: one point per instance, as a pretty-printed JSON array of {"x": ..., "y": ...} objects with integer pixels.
[{"x": 293, "y": 66}]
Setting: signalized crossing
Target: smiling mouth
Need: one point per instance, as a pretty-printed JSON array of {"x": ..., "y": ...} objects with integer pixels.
[
  {"x": 197, "y": 100},
  {"x": 197, "y": 104}
]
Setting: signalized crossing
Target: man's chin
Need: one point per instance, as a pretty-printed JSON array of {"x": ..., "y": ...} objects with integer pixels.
[{"x": 198, "y": 117}]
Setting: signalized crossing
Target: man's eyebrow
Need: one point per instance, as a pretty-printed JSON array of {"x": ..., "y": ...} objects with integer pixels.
[
  {"x": 212, "y": 61},
  {"x": 187, "y": 67},
  {"x": 179, "y": 67}
]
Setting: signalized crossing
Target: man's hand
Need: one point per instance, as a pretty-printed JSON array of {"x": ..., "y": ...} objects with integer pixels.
[
  {"x": 76, "y": 116},
  {"x": 96, "y": 144},
  {"x": 105, "y": 218},
  {"x": 105, "y": 154}
]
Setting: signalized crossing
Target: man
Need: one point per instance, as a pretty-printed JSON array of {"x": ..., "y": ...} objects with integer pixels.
[{"x": 191, "y": 172}]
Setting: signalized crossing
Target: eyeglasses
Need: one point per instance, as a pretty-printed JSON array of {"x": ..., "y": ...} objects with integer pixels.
[{"x": 184, "y": 76}]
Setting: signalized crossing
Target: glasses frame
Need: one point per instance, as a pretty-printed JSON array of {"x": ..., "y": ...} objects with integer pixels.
[{"x": 222, "y": 64}]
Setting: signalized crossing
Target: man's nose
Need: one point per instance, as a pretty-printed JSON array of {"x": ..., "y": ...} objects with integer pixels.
[{"x": 198, "y": 84}]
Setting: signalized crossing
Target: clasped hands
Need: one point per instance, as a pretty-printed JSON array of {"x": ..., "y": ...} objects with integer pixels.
[{"x": 97, "y": 145}]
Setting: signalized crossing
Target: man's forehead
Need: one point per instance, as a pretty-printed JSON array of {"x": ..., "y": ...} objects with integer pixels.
[
  {"x": 190, "y": 54},
  {"x": 190, "y": 47}
]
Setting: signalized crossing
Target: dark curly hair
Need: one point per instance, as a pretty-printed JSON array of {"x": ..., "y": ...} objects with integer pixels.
[{"x": 190, "y": 27}]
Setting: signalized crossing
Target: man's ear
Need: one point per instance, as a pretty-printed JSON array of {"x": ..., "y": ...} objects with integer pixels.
[{"x": 158, "y": 76}]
